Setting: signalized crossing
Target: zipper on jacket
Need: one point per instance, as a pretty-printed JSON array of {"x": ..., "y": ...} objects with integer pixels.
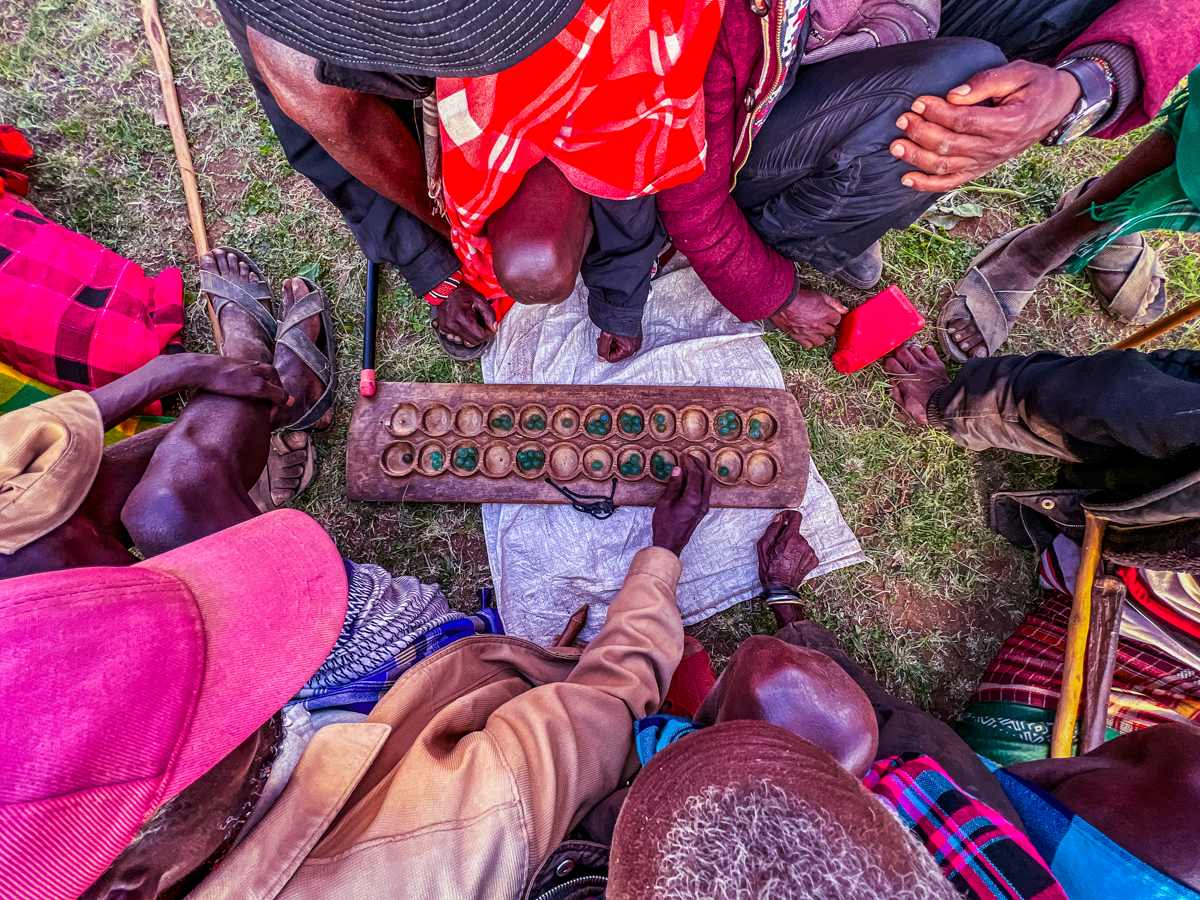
[{"x": 772, "y": 47}]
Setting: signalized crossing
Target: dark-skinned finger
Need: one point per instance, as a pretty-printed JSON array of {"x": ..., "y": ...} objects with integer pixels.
[
  {"x": 994, "y": 83},
  {"x": 834, "y": 305},
  {"x": 792, "y": 520},
  {"x": 930, "y": 353},
  {"x": 484, "y": 310},
  {"x": 771, "y": 534},
  {"x": 972, "y": 120},
  {"x": 674, "y": 489},
  {"x": 466, "y": 328},
  {"x": 266, "y": 371},
  {"x": 698, "y": 481},
  {"x": 940, "y": 184},
  {"x": 929, "y": 161},
  {"x": 945, "y": 141}
]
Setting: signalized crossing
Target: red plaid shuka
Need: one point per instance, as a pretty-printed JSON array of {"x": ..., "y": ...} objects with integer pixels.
[
  {"x": 73, "y": 314},
  {"x": 980, "y": 852},
  {"x": 615, "y": 101}
]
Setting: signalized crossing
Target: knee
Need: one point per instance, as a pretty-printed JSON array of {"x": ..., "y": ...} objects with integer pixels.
[
  {"x": 945, "y": 63},
  {"x": 537, "y": 271}
]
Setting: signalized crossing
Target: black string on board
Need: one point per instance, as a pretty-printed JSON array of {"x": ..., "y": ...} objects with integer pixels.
[{"x": 600, "y": 507}]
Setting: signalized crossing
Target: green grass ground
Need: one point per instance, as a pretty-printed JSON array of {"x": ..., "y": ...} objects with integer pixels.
[{"x": 940, "y": 592}]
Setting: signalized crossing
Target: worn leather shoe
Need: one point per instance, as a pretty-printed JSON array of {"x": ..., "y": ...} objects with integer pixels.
[{"x": 861, "y": 273}]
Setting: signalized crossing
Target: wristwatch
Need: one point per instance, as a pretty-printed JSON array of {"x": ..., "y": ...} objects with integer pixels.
[{"x": 1097, "y": 87}]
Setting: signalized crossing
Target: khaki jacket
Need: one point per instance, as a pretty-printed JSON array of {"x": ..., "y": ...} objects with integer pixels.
[{"x": 472, "y": 767}]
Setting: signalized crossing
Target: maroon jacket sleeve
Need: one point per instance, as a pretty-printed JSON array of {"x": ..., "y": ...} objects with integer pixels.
[
  {"x": 1165, "y": 35},
  {"x": 749, "y": 278}
]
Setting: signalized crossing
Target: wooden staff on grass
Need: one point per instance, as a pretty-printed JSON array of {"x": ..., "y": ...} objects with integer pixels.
[
  {"x": 187, "y": 172},
  {"x": 1159, "y": 328}
]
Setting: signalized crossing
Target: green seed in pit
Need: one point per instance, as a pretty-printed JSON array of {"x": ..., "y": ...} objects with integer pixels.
[
  {"x": 502, "y": 422},
  {"x": 436, "y": 460},
  {"x": 723, "y": 471},
  {"x": 597, "y": 465},
  {"x": 660, "y": 467}
]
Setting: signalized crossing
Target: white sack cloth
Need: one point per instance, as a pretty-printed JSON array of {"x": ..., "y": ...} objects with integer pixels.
[{"x": 549, "y": 560}]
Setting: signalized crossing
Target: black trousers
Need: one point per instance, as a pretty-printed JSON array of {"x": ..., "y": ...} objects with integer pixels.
[{"x": 820, "y": 184}]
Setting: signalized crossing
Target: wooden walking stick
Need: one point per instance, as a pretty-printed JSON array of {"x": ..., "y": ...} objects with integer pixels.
[
  {"x": 1159, "y": 328},
  {"x": 187, "y": 172},
  {"x": 1067, "y": 715},
  {"x": 1108, "y": 595}
]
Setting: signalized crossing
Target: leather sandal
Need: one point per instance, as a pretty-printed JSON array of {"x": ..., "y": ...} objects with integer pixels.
[
  {"x": 1127, "y": 276},
  {"x": 994, "y": 312},
  {"x": 256, "y": 299},
  {"x": 285, "y": 464},
  {"x": 320, "y": 359}
]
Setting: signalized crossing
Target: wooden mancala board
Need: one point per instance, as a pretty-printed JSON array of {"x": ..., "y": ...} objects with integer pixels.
[{"x": 476, "y": 443}]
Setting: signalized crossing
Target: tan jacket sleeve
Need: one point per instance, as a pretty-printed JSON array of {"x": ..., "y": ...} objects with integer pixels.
[{"x": 567, "y": 743}]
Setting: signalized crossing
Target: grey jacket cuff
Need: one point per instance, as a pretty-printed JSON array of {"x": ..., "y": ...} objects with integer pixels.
[{"x": 1123, "y": 62}]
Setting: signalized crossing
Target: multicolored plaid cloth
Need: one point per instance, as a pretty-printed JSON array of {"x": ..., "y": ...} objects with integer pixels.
[
  {"x": 615, "y": 101},
  {"x": 18, "y": 391},
  {"x": 74, "y": 314},
  {"x": 391, "y": 625},
  {"x": 980, "y": 852}
]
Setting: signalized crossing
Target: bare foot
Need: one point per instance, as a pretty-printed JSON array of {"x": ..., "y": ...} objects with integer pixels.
[
  {"x": 919, "y": 373},
  {"x": 298, "y": 379},
  {"x": 243, "y": 336}
]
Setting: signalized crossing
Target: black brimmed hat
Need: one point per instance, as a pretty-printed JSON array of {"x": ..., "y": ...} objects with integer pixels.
[{"x": 450, "y": 39}]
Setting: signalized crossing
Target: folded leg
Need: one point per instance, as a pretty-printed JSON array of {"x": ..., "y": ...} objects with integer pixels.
[{"x": 820, "y": 184}]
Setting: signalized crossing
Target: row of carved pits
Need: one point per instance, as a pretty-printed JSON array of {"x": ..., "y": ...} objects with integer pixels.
[
  {"x": 596, "y": 423},
  {"x": 564, "y": 461}
]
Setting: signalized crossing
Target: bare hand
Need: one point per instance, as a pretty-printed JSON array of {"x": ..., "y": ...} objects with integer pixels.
[
  {"x": 232, "y": 378},
  {"x": 920, "y": 372},
  {"x": 956, "y": 141},
  {"x": 465, "y": 317},
  {"x": 810, "y": 318},
  {"x": 784, "y": 555},
  {"x": 682, "y": 505},
  {"x": 616, "y": 347}
]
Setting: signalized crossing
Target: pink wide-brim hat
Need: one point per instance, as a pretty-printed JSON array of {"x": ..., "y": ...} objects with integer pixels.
[{"x": 122, "y": 686}]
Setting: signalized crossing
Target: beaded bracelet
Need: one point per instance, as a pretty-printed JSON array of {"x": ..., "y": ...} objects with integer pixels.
[{"x": 439, "y": 294}]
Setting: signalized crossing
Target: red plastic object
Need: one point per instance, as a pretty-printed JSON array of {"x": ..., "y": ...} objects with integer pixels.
[
  {"x": 875, "y": 329},
  {"x": 14, "y": 181},
  {"x": 15, "y": 152}
]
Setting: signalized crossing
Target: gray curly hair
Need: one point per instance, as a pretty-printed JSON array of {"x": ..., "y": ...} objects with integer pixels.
[{"x": 760, "y": 843}]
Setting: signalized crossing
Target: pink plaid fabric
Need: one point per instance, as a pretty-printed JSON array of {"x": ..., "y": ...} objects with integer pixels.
[{"x": 74, "y": 314}]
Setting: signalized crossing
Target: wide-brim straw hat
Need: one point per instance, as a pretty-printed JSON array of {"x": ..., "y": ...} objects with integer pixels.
[{"x": 741, "y": 753}]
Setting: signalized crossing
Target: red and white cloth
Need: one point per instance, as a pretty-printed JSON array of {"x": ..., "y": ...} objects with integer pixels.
[{"x": 615, "y": 101}]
